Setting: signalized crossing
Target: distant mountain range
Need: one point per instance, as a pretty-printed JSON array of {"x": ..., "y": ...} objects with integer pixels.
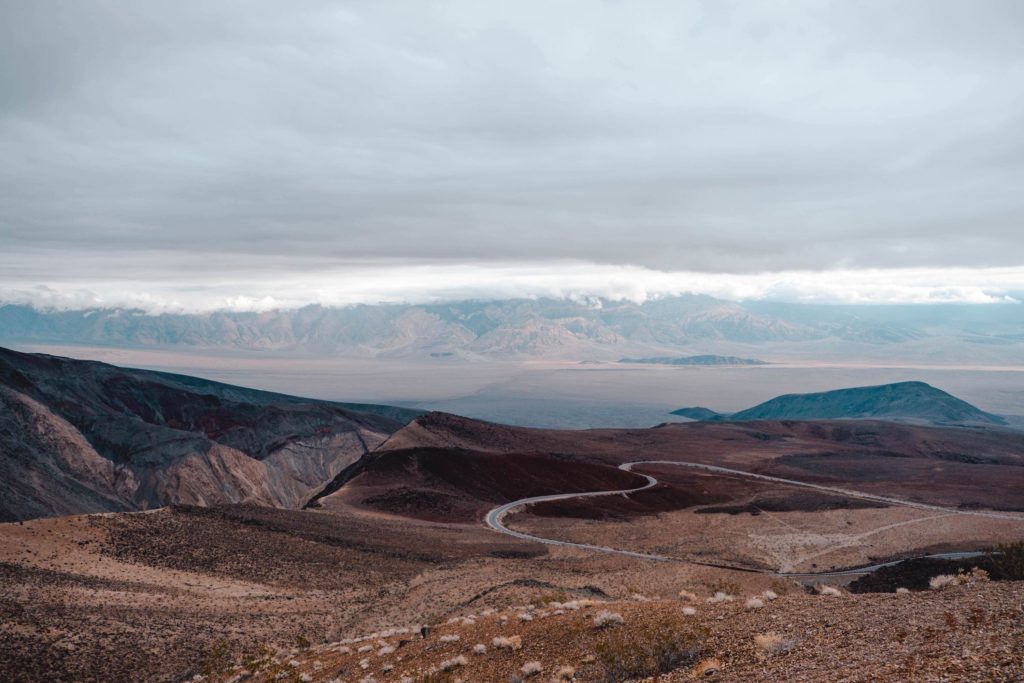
[
  {"x": 525, "y": 328},
  {"x": 915, "y": 401},
  {"x": 706, "y": 359},
  {"x": 80, "y": 436}
]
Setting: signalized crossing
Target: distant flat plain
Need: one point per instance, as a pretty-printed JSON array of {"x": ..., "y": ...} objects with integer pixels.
[{"x": 563, "y": 394}]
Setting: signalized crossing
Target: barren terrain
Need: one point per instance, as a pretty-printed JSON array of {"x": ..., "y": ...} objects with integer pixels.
[{"x": 397, "y": 541}]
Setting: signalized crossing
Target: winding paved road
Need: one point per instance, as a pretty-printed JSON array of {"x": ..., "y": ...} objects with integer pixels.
[{"x": 495, "y": 518}]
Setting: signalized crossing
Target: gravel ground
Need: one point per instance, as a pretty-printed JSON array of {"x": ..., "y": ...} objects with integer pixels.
[{"x": 971, "y": 632}]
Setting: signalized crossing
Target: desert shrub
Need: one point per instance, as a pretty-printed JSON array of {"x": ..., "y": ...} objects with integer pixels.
[
  {"x": 829, "y": 591},
  {"x": 479, "y": 649},
  {"x": 525, "y": 616},
  {"x": 454, "y": 663},
  {"x": 648, "y": 649},
  {"x": 721, "y": 596},
  {"x": 507, "y": 643},
  {"x": 688, "y": 596},
  {"x": 1008, "y": 561},
  {"x": 754, "y": 603},
  {"x": 770, "y": 595},
  {"x": 689, "y": 611},
  {"x": 565, "y": 673},
  {"x": 386, "y": 650},
  {"x": 606, "y": 618},
  {"x": 772, "y": 643},
  {"x": 937, "y": 583},
  {"x": 531, "y": 669},
  {"x": 450, "y": 638}
]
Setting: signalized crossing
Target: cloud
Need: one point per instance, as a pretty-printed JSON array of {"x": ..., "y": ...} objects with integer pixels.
[
  {"x": 704, "y": 137},
  {"x": 406, "y": 283}
]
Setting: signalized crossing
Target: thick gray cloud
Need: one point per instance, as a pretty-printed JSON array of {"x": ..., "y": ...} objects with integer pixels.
[{"x": 708, "y": 136}]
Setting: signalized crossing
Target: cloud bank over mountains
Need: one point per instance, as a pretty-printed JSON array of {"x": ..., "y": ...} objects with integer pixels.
[{"x": 422, "y": 283}]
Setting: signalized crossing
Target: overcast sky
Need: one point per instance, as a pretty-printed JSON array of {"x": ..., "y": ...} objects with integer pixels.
[{"x": 201, "y": 153}]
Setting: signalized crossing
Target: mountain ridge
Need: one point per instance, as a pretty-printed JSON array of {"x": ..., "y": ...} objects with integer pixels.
[
  {"x": 85, "y": 436},
  {"x": 910, "y": 400},
  {"x": 515, "y": 328}
]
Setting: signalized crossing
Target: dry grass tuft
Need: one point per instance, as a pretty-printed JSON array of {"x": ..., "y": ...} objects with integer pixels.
[
  {"x": 565, "y": 673},
  {"x": 450, "y": 638},
  {"x": 754, "y": 603},
  {"x": 606, "y": 618},
  {"x": 942, "y": 581},
  {"x": 507, "y": 643},
  {"x": 770, "y": 595},
  {"x": 479, "y": 649},
  {"x": 721, "y": 596},
  {"x": 454, "y": 663},
  {"x": 689, "y": 611},
  {"x": 769, "y": 644},
  {"x": 531, "y": 669},
  {"x": 688, "y": 596},
  {"x": 829, "y": 591}
]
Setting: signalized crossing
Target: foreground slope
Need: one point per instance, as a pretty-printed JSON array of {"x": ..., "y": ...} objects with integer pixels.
[
  {"x": 81, "y": 436},
  {"x": 899, "y": 401}
]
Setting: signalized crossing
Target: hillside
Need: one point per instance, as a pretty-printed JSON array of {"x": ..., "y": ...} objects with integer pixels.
[
  {"x": 899, "y": 401},
  {"x": 80, "y": 436}
]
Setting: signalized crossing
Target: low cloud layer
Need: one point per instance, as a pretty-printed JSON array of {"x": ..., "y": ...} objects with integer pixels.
[
  {"x": 409, "y": 283},
  {"x": 197, "y": 142}
]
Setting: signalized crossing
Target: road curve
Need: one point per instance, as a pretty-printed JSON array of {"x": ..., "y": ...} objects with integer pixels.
[{"x": 495, "y": 518}]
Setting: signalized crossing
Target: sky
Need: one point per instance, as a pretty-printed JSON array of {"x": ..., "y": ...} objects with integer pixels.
[{"x": 192, "y": 155}]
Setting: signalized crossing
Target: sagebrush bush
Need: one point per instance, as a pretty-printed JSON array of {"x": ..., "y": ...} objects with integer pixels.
[
  {"x": 754, "y": 603},
  {"x": 648, "y": 649},
  {"x": 450, "y": 638},
  {"x": 531, "y": 669},
  {"x": 689, "y": 611},
  {"x": 454, "y": 663},
  {"x": 721, "y": 596},
  {"x": 937, "y": 583},
  {"x": 829, "y": 591},
  {"x": 479, "y": 649},
  {"x": 770, "y": 595},
  {"x": 507, "y": 643},
  {"x": 605, "y": 618}
]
